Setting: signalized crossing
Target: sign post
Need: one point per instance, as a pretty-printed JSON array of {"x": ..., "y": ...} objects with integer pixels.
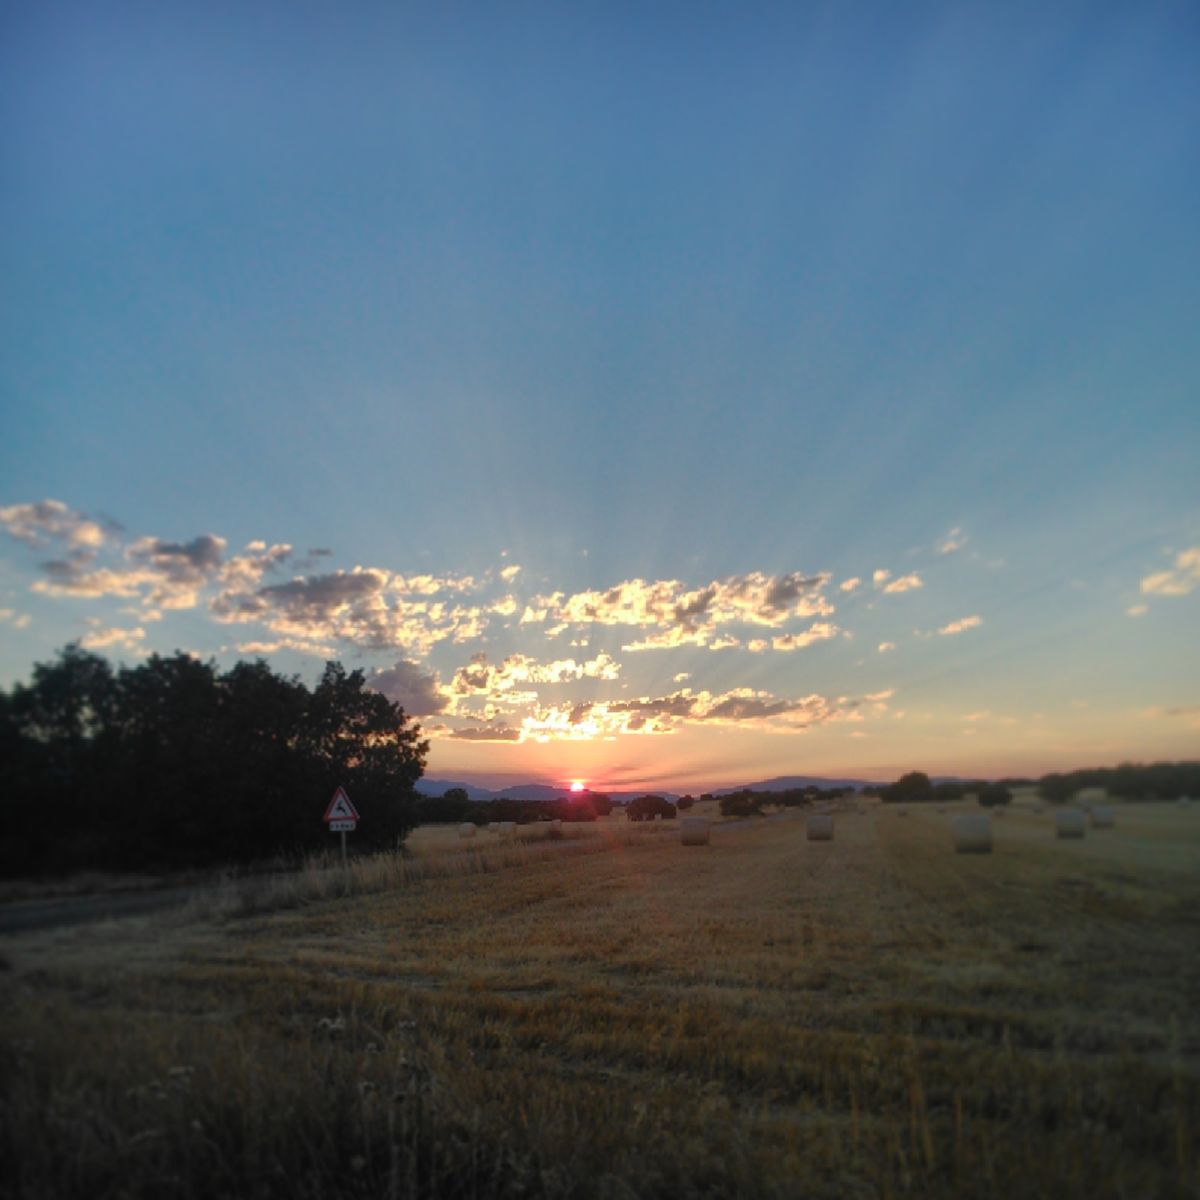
[{"x": 341, "y": 816}]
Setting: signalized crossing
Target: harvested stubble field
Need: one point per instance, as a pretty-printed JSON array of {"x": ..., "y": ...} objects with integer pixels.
[{"x": 614, "y": 1014}]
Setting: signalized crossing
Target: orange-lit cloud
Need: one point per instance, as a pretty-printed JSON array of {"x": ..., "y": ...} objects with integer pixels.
[{"x": 961, "y": 626}]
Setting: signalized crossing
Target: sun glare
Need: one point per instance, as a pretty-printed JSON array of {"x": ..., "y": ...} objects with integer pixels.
[{"x": 577, "y": 786}]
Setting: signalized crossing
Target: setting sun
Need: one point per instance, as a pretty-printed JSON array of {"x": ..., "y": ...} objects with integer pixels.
[{"x": 577, "y": 786}]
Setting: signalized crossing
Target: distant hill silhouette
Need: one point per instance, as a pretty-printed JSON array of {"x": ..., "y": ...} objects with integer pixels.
[{"x": 541, "y": 791}]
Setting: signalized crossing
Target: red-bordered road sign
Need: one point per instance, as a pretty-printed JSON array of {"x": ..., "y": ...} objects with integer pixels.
[{"x": 340, "y": 809}]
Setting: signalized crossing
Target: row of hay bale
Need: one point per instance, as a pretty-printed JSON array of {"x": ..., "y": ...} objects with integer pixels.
[
  {"x": 506, "y": 829},
  {"x": 973, "y": 831}
]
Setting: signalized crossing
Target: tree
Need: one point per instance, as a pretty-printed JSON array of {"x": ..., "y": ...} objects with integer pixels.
[
  {"x": 910, "y": 788},
  {"x": 991, "y": 795},
  {"x": 170, "y": 762},
  {"x": 685, "y": 802}
]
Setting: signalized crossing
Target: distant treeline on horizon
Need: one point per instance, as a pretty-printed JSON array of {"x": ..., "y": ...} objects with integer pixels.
[{"x": 174, "y": 764}]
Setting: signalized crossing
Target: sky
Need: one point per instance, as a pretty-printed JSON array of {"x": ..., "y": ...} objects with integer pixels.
[{"x": 653, "y": 396}]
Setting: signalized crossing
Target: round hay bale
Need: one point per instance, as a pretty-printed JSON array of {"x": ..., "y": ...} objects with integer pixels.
[
  {"x": 1103, "y": 816},
  {"x": 693, "y": 831},
  {"x": 972, "y": 833},
  {"x": 1070, "y": 823},
  {"x": 466, "y": 830},
  {"x": 819, "y": 827}
]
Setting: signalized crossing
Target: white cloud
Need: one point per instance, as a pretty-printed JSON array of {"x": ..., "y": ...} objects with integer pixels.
[
  {"x": 848, "y": 585},
  {"x": 906, "y": 583},
  {"x": 954, "y": 541},
  {"x": 120, "y": 639},
  {"x": 961, "y": 626},
  {"x": 1180, "y": 580},
  {"x": 1137, "y": 610},
  {"x": 884, "y": 647}
]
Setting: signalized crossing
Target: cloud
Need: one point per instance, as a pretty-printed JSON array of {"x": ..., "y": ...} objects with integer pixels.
[
  {"x": 881, "y": 577},
  {"x": 299, "y": 646},
  {"x": 45, "y": 521},
  {"x": 163, "y": 574},
  {"x": 415, "y": 690},
  {"x": 486, "y": 733},
  {"x": 244, "y": 571},
  {"x": 884, "y": 647},
  {"x": 120, "y": 639},
  {"x": 686, "y": 616},
  {"x": 508, "y": 574},
  {"x": 15, "y": 619},
  {"x": 181, "y": 568},
  {"x": 502, "y": 682},
  {"x": 906, "y": 583},
  {"x": 954, "y": 541},
  {"x": 848, "y": 585},
  {"x": 961, "y": 626},
  {"x": 1137, "y": 610},
  {"x": 820, "y": 632},
  {"x": 1180, "y": 580}
]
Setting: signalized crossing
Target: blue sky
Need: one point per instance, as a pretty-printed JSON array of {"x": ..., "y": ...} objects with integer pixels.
[{"x": 666, "y": 309}]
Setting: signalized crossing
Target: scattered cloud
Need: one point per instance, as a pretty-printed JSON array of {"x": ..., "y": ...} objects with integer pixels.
[
  {"x": 884, "y": 647},
  {"x": 263, "y": 649},
  {"x": 820, "y": 632},
  {"x": 961, "y": 626},
  {"x": 954, "y": 541},
  {"x": 848, "y": 585},
  {"x": 129, "y": 640},
  {"x": 1180, "y": 580},
  {"x": 47, "y": 521},
  {"x": 415, "y": 690},
  {"x": 11, "y": 617},
  {"x": 906, "y": 583},
  {"x": 486, "y": 733},
  {"x": 1137, "y": 610}
]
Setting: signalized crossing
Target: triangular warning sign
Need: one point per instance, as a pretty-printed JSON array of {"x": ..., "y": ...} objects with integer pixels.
[{"x": 340, "y": 808}]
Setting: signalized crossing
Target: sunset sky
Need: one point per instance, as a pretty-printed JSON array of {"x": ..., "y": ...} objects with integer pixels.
[{"x": 665, "y": 395}]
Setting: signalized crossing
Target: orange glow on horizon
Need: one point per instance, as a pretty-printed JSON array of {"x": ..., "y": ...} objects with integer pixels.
[{"x": 578, "y": 786}]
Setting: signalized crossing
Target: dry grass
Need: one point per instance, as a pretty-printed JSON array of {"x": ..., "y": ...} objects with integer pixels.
[{"x": 612, "y": 1014}]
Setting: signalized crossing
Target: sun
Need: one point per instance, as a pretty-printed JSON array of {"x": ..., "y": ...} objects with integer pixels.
[{"x": 578, "y": 786}]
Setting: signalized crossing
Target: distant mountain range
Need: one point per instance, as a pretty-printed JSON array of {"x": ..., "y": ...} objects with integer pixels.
[{"x": 541, "y": 791}]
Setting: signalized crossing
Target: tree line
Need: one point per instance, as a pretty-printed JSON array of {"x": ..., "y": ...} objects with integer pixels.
[
  {"x": 1130, "y": 781},
  {"x": 173, "y": 763}
]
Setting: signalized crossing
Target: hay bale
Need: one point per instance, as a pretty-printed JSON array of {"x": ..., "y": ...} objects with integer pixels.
[
  {"x": 466, "y": 830},
  {"x": 972, "y": 833},
  {"x": 693, "y": 831},
  {"x": 1070, "y": 823},
  {"x": 1103, "y": 816},
  {"x": 819, "y": 827}
]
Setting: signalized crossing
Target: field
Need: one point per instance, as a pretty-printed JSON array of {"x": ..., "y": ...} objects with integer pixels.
[{"x": 611, "y": 1014}]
